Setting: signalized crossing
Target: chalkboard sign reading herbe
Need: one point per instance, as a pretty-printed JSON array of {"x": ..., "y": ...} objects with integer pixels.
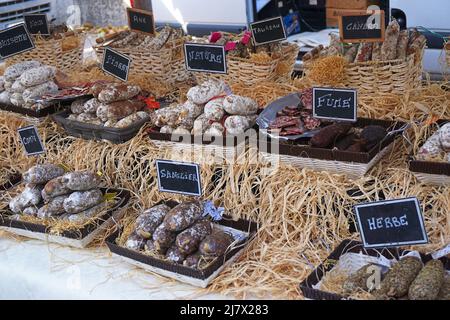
[
  {"x": 362, "y": 26},
  {"x": 391, "y": 223},
  {"x": 141, "y": 21},
  {"x": 179, "y": 177},
  {"x": 31, "y": 141},
  {"x": 116, "y": 64},
  {"x": 268, "y": 31},
  {"x": 37, "y": 24},
  {"x": 205, "y": 58},
  {"x": 15, "y": 40},
  {"x": 335, "y": 104}
]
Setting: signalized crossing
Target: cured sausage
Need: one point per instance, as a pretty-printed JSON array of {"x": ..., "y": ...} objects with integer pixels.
[
  {"x": 203, "y": 93},
  {"x": 54, "y": 188},
  {"x": 14, "y": 71},
  {"x": 81, "y": 180},
  {"x": 150, "y": 220},
  {"x": 31, "y": 196},
  {"x": 118, "y": 92},
  {"x": 183, "y": 216},
  {"x": 214, "y": 109},
  {"x": 81, "y": 201},
  {"x": 130, "y": 120},
  {"x": 54, "y": 207},
  {"x": 389, "y": 47},
  {"x": 189, "y": 240},
  {"x": 119, "y": 110},
  {"x": 43, "y": 173},
  {"x": 36, "y": 76},
  {"x": 238, "y": 105},
  {"x": 39, "y": 90}
]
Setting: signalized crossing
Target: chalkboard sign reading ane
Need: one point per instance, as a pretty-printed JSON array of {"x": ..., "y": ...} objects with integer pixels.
[
  {"x": 391, "y": 223},
  {"x": 116, "y": 64},
  {"x": 141, "y": 21},
  {"x": 179, "y": 177},
  {"x": 268, "y": 31},
  {"x": 205, "y": 58},
  {"x": 31, "y": 141},
  {"x": 15, "y": 40},
  {"x": 37, "y": 24},
  {"x": 335, "y": 104},
  {"x": 362, "y": 27}
]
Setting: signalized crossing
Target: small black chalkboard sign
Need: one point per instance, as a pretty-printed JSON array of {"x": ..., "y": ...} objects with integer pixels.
[
  {"x": 179, "y": 177},
  {"x": 335, "y": 104},
  {"x": 31, "y": 141},
  {"x": 362, "y": 26},
  {"x": 116, "y": 64},
  {"x": 37, "y": 24},
  {"x": 15, "y": 40},
  {"x": 391, "y": 223},
  {"x": 268, "y": 31},
  {"x": 205, "y": 58},
  {"x": 141, "y": 21}
]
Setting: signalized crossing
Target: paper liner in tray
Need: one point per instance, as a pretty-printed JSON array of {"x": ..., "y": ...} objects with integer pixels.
[
  {"x": 200, "y": 278},
  {"x": 79, "y": 238}
]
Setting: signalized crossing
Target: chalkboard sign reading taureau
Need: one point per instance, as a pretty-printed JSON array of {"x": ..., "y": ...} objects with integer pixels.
[
  {"x": 179, "y": 177},
  {"x": 37, "y": 24},
  {"x": 141, "y": 21},
  {"x": 15, "y": 40},
  {"x": 31, "y": 141},
  {"x": 116, "y": 64},
  {"x": 268, "y": 31},
  {"x": 335, "y": 104},
  {"x": 391, "y": 223},
  {"x": 205, "y": 58},
  {"x": 362, "y": 26}
]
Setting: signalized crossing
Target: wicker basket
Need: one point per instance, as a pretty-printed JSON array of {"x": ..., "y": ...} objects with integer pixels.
[
  {"x": 286, "y": 65},
  {"x": 50, "y": 52}
]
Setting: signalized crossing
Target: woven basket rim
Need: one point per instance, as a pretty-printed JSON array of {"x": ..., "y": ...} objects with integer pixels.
[{"x": 169, "y": 45}]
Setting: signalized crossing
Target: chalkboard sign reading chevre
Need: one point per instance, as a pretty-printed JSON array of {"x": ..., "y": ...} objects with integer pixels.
[
  {"x": 391, "y": 223},
  {"x": 268, "y": 31},
  {"x": 335, "y": 104},
  {"x": 37, "y": 24},
  {"x": 15, "y": 40},
  {"x": 179, "y": 177},
  {"x": 31, "y": 141},
  {"x": 141, "y": 21},
  {"x": 205, "y": 58},
  {"x": 362, "y": 27},
  {"x": 116, "y": 64}
]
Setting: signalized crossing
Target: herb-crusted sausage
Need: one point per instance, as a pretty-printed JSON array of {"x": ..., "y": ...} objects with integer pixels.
[{"x": 428, "y": 282}]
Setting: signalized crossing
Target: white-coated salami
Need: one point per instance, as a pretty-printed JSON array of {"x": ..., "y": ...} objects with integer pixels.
[
  {"x": 2, "y": 83},
  {"x": 204, "y": 92},
  {"x": 91, "y": 106},
  {"x": 88, "y": 214},
  {"x": 39, "y": 90},
  {"x": 54, "y": 188},
  {"x": 14, "y": 71},
  {"x": 17, "y": 99},
  {"x": 132, "y": 119},
  {"x": 119, "y": 110},
  {"x": 238, "y": 105},
  {"x": 5, "y": 97},
  {"x": 201, "y": 124},
  {"x": 81, "y": 201},
  {"x": 214, "y": 109},
  {"x": 389, "y": 47},
  {"x": 81, "y": 180},
  {"x": 54, "y": 207},
  {"x": 216, "y": 129},
  {"x": 444, "y": 137},
  {"x": 43, "y": 173},
  {"x": 36, "y": 76},
  {"x": 17, "y": 87},
  {"x": 77, "y": 106},
  {"x": 151, "y": 219},
  {"x": 237, "y": 125},
  {"x": 431, "y": 149},
  {"x": 118, "y": 92},
  {"x": 30, "y": 196}
]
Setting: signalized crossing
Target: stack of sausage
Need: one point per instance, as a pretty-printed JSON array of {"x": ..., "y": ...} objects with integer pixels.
[
  {"x": 180, "y": 235},
  {"x": 208, "y": 111},
  {"x": 437, "y": 148},
  {"x": 22, "y": 83},
  {"x": 113, "y": 106},
  {"x": 51, "y": 193}
]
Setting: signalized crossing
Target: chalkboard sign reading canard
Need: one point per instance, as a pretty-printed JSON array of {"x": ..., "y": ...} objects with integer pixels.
[
  {"x": 268, "y": 31},
  {"x": 37, "y": 24},
  {"x": 31, "y": 141},
  {"x": 141, "y": 21},
  {"x": 335, "y": 104},
  {"x": 391, "y": 223},
  {"x": 116, "y": 64},
  {"x": 205, "y": 58},
  {"x": 362, "y": 26},
  {"x": 179, "y": 177},
  {"x": 15, "y": 40}
]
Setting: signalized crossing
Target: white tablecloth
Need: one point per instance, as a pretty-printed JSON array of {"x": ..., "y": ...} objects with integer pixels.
[{"x": 32, "y": 269}]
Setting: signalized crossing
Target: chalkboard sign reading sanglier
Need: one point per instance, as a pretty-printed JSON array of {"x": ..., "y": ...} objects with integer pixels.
[
  {"x": 15, "y": 40},
  {"x": 141, "y": 21},
  {"x": 37, "y": 24},
  {"x": 205, "y": 58},
  {"x": 31, "y": 141},
  {"x": 268, "y": 31},
  {"x": 116, "y": 64},
  {"x": 391, "y": 223},
  {"x": 362, "y": 27},
  {"x": 179, "y": 177},
  {"x": 335, "y": 104}
]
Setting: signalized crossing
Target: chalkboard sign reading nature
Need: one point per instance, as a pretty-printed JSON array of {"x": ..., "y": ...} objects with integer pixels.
[
  {"x": 205, "y": 58},
  {"x": 179, "y": 177},
  {"x": 268, "y": 31},
  {"x": 15, "y": 40},
  {"x": 141, "y": 21},
  {"x": 391, "y": 223},
  {"x": 335, "y": 104},
  {"x": 362, "y": 27},
  {"x": 31, "y": 141},
  {"x": 116, "y": 64},
  {"x": 37, "y": 24}
]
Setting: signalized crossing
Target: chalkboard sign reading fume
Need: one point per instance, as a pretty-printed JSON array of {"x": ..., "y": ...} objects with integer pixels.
[
  {"x": 205, "y": 58},
  {"x": 268, "y": 31},
  {"x": 15, "y": 40},
  {"x": 31, "y": 141},
  {"x": 116, "y": 64},
  {"x": 362, "y": 26},
  {"x": 391, "y": 223},
  {"x": 335, "y": 104},
  {"x": 37, "y": 24},
  {"x": 141, "y": 21},
  {"x": 179, "y": 177}
]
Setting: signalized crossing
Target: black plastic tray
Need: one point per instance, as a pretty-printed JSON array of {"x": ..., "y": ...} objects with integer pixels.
[
  {"x": 52, "y": 109},
  {"x": 12, "y": 181}
]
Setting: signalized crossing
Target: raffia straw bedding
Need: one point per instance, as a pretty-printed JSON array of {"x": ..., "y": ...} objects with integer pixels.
[{"x": 302, "y": 214}]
